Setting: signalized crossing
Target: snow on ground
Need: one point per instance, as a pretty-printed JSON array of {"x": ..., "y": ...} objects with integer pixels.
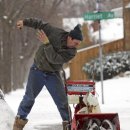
[
  {"x": 116, "y": 98},
  {"x": 43, "y": 112},
  {"x": 6, "y": 116}
]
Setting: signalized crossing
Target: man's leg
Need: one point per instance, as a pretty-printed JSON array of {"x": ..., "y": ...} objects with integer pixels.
[
  {"x": 34, "y": 86},
  {"x": 56, "y": 88}
]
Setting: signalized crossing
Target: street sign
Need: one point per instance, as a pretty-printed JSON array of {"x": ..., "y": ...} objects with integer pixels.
[{"x": 98, "y": 15}]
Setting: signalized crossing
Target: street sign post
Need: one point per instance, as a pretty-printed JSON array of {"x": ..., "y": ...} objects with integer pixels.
[{"x": 99, "y": 15}]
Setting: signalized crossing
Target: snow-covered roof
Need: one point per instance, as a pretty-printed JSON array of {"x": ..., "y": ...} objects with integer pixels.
[
  {"x": 118, "y": 12},
  {"x": 128, "y": 5}
]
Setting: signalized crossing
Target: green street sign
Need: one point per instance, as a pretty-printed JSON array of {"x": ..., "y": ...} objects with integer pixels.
[{"x": 99, "y": 15}]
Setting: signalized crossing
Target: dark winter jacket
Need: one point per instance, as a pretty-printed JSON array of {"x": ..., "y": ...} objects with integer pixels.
[{"x": 51, "y": 57}]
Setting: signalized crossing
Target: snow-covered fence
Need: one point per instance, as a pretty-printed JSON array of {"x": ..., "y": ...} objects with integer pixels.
[{"x": 89, "y": 53}]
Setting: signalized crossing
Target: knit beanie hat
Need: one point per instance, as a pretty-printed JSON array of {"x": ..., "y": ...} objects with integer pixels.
[{"x": 76, "y": 33}]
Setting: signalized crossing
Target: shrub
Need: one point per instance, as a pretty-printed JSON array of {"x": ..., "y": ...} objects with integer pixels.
[{"x": 113, "y": 64}]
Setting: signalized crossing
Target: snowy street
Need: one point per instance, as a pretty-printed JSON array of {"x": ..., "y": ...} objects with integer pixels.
[{"x": 43, "y": 112}]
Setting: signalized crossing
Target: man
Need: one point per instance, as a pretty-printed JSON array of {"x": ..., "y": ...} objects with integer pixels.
[{"x": 57, "y": 48}]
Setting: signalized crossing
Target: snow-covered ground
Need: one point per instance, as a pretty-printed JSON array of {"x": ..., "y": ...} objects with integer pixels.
[
  {"x": 116, "y": 99},
  {"x": 6, "y": 116}
]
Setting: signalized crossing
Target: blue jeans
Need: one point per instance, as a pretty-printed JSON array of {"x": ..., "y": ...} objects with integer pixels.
[{"x": 53, "y": 82}]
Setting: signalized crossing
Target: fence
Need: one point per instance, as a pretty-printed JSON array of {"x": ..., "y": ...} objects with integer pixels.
[{"x": 89, "y": 53}]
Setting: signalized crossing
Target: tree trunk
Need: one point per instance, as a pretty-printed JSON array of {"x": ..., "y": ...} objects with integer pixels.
[
  {"x": 126, "y": 24},
  {"x": 0, "y": 59},
  {"x": 6, "y": 66}
]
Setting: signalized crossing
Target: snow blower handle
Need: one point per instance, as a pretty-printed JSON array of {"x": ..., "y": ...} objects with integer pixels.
[{"x": 65, "y": 82}]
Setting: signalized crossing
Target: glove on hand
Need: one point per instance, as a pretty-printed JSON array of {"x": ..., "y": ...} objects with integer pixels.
[{"x": 42, "y": 37}]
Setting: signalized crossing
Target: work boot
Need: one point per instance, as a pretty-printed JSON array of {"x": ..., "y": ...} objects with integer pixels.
[
  {"x": 19, "y": 123},
  {"x": 66, "y": 125}
]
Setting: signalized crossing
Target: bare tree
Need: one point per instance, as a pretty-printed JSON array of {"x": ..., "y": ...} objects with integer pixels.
[
  {"x": 16, "y": 46},
  {"x": 76, "y": 8}
]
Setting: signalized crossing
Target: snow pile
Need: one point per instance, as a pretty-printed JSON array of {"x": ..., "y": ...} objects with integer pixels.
[
  {"x": 116, "y": 99},
  {"x": 6, "y": 116}
]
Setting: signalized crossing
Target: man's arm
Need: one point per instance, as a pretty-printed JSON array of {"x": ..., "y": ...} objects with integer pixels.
[
  {"x": 60, "y": 57},
  {"x": 42, "y": 37},
  {"x": 36, "y": 24}
]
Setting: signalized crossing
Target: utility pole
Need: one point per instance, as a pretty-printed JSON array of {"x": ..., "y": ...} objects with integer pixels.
[{"x": 126, "y": 17}]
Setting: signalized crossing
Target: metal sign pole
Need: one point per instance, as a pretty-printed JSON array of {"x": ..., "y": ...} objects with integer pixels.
[
  {"x": 98, "y": 7},
  {"x": 99, "y": 15}
]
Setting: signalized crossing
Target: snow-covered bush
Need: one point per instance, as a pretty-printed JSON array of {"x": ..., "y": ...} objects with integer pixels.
[{"x": 113, "y": 64}]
